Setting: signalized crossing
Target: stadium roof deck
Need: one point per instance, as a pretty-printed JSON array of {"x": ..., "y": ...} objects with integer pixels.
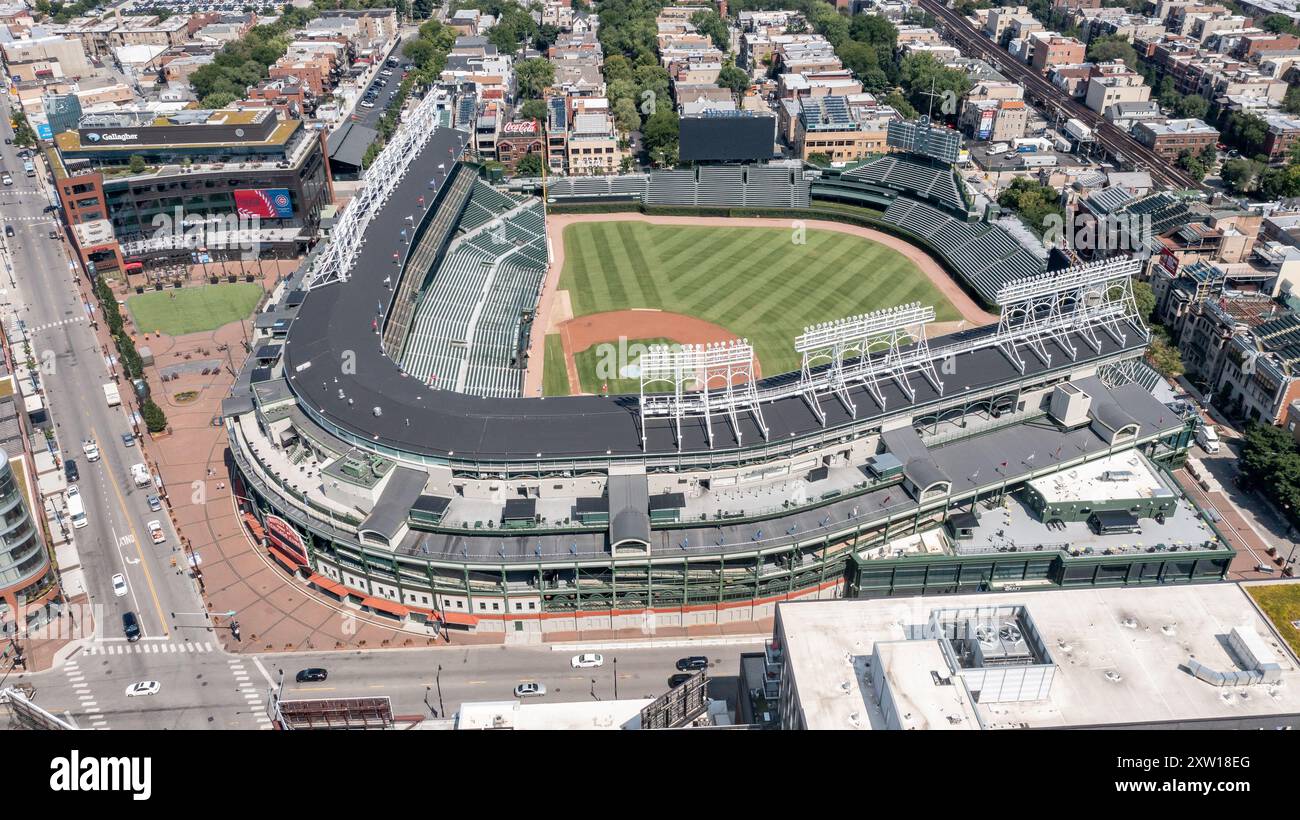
[
  {"x": 1119, "y": 656},
  {"x": 970, "y": 463},
  {"x": 334, "y": 321}
]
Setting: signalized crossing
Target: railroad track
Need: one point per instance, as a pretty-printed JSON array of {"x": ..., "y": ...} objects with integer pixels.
[{"x": 1117, "y": 143}]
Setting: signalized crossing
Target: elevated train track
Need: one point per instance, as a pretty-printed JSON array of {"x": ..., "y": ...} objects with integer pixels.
[{"x": 1038, "y": 91}]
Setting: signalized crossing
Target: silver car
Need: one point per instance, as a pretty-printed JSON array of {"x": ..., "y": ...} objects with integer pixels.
[{"x": 530, "y": 690}]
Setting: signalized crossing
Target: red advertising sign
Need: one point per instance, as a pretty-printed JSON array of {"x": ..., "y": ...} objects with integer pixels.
[
  {"x": 1168, "y": 261},
  {"x": 284, "y": 535}
]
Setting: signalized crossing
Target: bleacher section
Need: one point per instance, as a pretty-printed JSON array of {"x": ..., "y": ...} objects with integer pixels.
[
  {"x": 722, "y": 186},
  {"x": 467, "y": 325},
  {"x": 429, "y": 245},
  {"x": 938, "y": 185},
  {"x": 985, "y": 255}
]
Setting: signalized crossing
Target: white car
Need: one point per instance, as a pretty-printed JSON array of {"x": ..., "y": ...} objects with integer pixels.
[
  {"x": 156, "y": 531},
  {"x": 91, "y": 449},
  {"x": 119, "y": 585},
  {"x": 367, "y": 104},
  {"x": 588, "y": 660},
  {"x": 530, "y": 690},
  {"x": 144, "y": 687}
]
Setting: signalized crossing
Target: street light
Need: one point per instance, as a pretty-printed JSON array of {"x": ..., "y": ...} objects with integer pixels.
[{"x": 438, "y": 679}]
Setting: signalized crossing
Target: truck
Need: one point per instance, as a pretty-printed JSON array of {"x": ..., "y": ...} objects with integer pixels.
[
  {"x": 29, "y": 168},
  {"x": 140, "y": 475},
  {"x": 110, "y": 393},
  {"x": 1077, "y": 131},
  {"x": 1208, "y": 438}
]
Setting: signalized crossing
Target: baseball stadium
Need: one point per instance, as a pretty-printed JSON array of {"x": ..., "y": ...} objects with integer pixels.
[{"x": 660, "y": 401}]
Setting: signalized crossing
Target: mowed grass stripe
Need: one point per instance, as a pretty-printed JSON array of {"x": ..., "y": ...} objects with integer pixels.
[
  {"x": 752, "y": 281},
  {"x": 798, "y": 275},
  {"x": 732, "y": 252},
  {"x": 639, "y": 267}
]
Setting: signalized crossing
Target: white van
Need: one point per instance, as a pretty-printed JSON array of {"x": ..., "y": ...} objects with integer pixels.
[
  {"x": 1208, "y": 438},
  {"x": 140, "y": 473}
]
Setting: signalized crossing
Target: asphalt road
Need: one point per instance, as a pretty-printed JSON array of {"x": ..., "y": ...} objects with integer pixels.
[{"x": 370, "y": 117}]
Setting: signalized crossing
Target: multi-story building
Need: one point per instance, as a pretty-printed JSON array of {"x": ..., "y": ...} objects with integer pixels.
[
  {"x": 995, "y": 120},
  {"x": 593, "y": 145},
  {"x": 46, "y": 58},
  {"x": 1283, "y": 133},
  {"x": 26, "y": 574},
  {"x": 830, "y": 126},
  {"x": 1171, "y": 138},
  {"x": 203, "y": 164},
  {"x": 517, "y": 140},
  {"x": 1051, "y": 50},
  {"x": 1113, "y": 83}
]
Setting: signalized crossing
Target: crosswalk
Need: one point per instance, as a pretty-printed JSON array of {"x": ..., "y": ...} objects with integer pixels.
[
  {"x": 86, "y": 703},
  {"x": 249, "y": 692},
  {"x": 51, "y": 325},
  {"x": 41, "y": 218},
  {"x": 148, "y": 648}
]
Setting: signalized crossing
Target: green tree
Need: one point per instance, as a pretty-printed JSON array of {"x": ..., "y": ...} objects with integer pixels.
[
  {"x": 534, "y": 76},
  {"x": 709, "y": 23},
  {"x": 1111, "y": 47},
  {"x": 137, "y": 164},
  {"x": 533, "y": 110},
  {"x": 899, "y": 103},
  {"x": 1192, "y": 164},
  {"x": 155, "y": 420},
  {"x": 529, "y": 165},
  {"x": 923, "y": 76},
  {"x": 625, "y": 114},
  {"x": 219, "y": 99},
  {"x": 1291, "y": 102},
  {"x": 1192, "y": 106},
  {"x": 1241, "y": 175},
  {"x": 733, "y": 78},
  {"x": 1145, "y": 298},
  {"x": 819, "y": 159},
  {"x": 419, "y": 51},
  {"x": 1163, "y": 355}
]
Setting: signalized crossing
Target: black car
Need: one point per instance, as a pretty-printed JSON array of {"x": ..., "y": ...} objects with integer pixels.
[
  {"x": 692, "y": 663},
  {"x": 312, "y": 675},
  {"x": 49, "y": 209},
  {"x": 678, "y": 679},
  {"x": 70, "y": 469},
  {"x": 9, "y": 230},
  {"x": 131, "y": 626}
]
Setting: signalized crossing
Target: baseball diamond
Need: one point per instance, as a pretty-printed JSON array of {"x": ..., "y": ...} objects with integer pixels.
[{"x": 824, "y": 431}]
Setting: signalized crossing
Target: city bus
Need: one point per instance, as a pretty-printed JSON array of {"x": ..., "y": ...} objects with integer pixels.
[{"x": 75, "y": 510}]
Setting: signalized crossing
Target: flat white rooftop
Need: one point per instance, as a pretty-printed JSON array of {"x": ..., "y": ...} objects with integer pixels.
[
  {"x": 1120, "y": 656},
  {"x": 513, "y": 714},
  {"x": 1120, "y": 476}
]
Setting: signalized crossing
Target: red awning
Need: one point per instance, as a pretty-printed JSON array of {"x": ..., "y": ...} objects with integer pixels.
[
  {"x": 254, "y": 526},
  {"x": 384, "y": 605},
  {"x": 329, "y": 586},
  {"x": 287, "y": 555},
  {"x": 283, "y": 560},
  {"x": 459, "y": 618}
]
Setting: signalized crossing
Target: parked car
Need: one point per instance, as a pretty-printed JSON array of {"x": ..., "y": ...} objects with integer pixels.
[
  {"x": 312, "y": 675},
  {"x": 530, "y": 690},
  {"x": 587, "y": 660},
  {"x": 119, "y": 585},
  {"x": 131, "y": 626},
  {"x": 692, "y": 663},
  {"x": 154, "y": 503},
  {"x": 678, "y": 679},
  {"x": 144, "y": 687},
  {"x": 367, "y": 104},
  {"x": 156, "y": 531},
  {"x": 70, "y": 470},
  {"x": 9, "y": 230},
  {"x": 128, "y": 440}
]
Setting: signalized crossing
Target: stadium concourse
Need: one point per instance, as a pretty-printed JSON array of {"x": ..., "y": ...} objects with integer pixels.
[{"x": 388, "y": 460}]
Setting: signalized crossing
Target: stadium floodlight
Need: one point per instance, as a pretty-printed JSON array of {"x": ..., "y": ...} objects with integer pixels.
[
  {"x": 335, "y": 263},
  {"x": 706, "y": 379},
  {"x": 867, "y": 348},
  {"x": 1071, "y": 304}
]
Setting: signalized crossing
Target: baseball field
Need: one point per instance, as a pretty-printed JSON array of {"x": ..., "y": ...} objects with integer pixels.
[{"x": 761, "y": 283}]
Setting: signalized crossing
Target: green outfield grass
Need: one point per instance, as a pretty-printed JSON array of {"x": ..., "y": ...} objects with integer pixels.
[
  {"x": 555, "y": 376},
  {"x": 755, "y": 282},
  {"x": 588, "y": 363},
  {"x": 192, "y": 310}
]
